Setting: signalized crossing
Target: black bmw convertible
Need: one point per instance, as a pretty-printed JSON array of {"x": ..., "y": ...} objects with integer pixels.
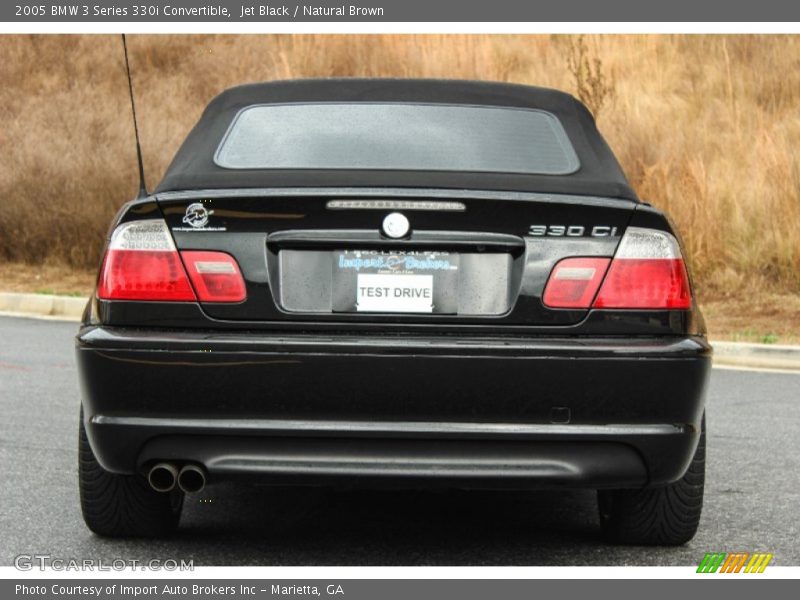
[{"x": 394, "y": 282}]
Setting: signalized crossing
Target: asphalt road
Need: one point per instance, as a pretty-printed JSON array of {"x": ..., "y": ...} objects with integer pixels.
[{"x": 752, "y": 491}]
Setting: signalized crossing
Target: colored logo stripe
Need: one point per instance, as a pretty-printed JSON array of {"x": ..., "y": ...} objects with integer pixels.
[
  {"x": 711, "y": 562},
  {"x": 758, "y": 563},
  {"x": 735, "y": 562}
]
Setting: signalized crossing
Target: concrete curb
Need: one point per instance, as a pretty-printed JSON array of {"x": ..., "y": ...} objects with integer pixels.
[
  {"x": 43, "y": 305},
  {"x": 762, "y": 356}
]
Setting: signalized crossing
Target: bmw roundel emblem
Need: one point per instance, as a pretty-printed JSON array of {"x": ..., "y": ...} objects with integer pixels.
[{"x": 396, "y": 225}]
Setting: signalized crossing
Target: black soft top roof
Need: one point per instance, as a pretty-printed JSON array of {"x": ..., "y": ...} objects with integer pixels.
[{"x": 194, "y": 168}]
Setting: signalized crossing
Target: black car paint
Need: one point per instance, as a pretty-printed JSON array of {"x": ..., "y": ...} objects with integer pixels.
[
  {"x": 253, "y": 235},
  {"x": 155, "y": 374},
  {"x": 552, "y": 390}
]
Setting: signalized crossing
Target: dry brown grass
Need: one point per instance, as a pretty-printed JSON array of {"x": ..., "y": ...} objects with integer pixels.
[
  {"x": 767, "y": 318},
  {"x": 706, "y": 127},
  {"x": 46, "y": 278}
]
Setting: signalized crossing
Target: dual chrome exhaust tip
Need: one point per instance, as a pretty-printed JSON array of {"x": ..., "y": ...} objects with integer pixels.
[{"x": 164, "y": 477}]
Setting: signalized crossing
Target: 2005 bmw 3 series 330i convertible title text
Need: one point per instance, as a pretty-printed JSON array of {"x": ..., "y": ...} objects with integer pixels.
[{"x": 403, "y": 282}]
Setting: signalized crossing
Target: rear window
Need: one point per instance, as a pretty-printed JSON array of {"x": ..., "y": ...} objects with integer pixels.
[{"x": 397, "y": 136}]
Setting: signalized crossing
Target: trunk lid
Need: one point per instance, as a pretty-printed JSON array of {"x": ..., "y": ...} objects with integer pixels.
[{"x": 322, "y": 255}]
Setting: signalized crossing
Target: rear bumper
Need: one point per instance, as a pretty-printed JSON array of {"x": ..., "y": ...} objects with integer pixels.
[{"x": 458, "y": 410}]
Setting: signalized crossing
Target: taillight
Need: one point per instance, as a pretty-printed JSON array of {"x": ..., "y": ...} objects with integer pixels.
[
  {"x": 647, "y": 272},
  {"x": 141, "y": 263},
  {"x": 574, "y": 282},
  {"x": 215, "y": 276}
]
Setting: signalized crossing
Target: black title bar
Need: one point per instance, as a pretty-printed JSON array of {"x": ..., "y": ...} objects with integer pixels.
[{"x": 243, "y": 11}]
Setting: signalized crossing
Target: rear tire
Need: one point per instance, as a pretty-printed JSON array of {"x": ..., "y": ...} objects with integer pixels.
[
  {"x": 122, "y": 505},
  {"x": 663, "y": 516}
]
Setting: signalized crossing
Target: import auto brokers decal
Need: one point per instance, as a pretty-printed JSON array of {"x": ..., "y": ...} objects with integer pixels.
[
  {"x": 197, "y": 217},
  {"x": 395, "y": 262}
]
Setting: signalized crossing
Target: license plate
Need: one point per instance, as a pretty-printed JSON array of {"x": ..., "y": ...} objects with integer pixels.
[
  {"x": 394, "y": 293},
  {"x": 378, "y": 281}
]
